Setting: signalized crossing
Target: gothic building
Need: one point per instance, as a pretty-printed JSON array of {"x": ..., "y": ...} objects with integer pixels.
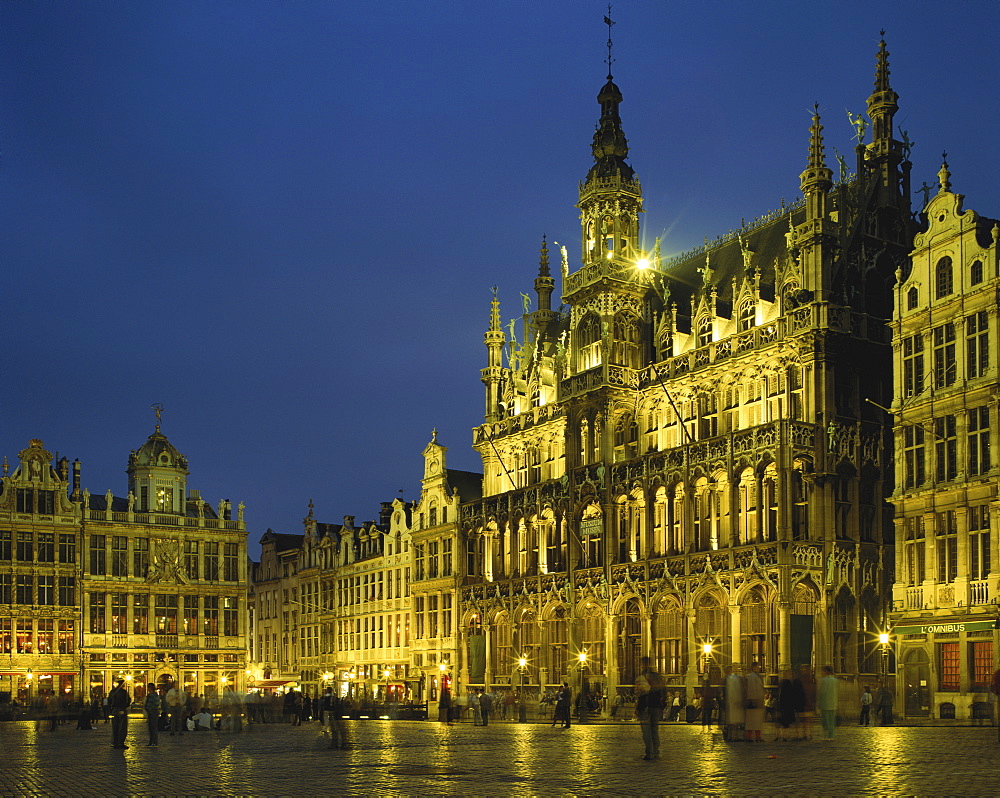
[
  {"x": 150, "y": 587},
  {"x": 687, "y": 459},
  {"x": 945, "y": 330}
]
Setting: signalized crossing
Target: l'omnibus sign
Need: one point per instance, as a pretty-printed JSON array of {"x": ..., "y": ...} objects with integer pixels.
[{"x": 944, "y": 628}]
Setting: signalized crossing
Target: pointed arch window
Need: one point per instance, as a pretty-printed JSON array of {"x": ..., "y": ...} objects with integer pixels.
[
  {"x": 625, "y": 340},
  {"x": 626, "y": 438},
  {"x": 943, "y": 278},
  {"x": 704, "y": 331},
  {"x": 748, "y": 315},
  {"x": 976, "y": 273},
  {"x": 912, "y": 298},
  {"x": 589, "y": 342}
]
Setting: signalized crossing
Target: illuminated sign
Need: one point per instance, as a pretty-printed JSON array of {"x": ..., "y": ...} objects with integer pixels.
[
  {"x": 591, "y": 526},
  {"x": 944, "y": 628}
]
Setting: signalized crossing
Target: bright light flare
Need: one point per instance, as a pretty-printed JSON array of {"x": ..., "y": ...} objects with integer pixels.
[{"x": 642, "y": 263}]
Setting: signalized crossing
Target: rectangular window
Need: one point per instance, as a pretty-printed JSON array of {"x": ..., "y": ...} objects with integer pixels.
[
  {"x": 46, "y": 589},
  {"x": 6, "y": 639},
  {"x": 140, "y": 557},
  {"x": 25, "y": 546},
  {"x": 446, "y": 556},
  {"x": 165, "y": 610},
  {"x": 979, "y": 541},
  {"x": 98, "y": 555},
  {"x": 46, "y": 502},
  {"x": 46, "y": 635},
  {"x": 67, "y": 637},
  {"x": 67, "y": 591},
  {"x": 230, "y": 616},
  {"x": 97, "y": 613},
  {"x": 914, "y": 456},
  {"x": 5, "y": 541},
  {"x": 981, "y": 660},
  {"x": 140, "y": 614},
  {"x": 979, "y": 440},
  {"x": 231, "y": 563},
  {"x": 190, "y": 615},
  {"x": 212, "y": 562},
  {"x": 46, "y": 547},
  {"x": 432, "y": 560},
  {"x": 945, "y": 449},
  {"x": 67, "y": 549},
  {"x": 446, "y": 624},
  {"x": 947, "y": 546},
  {"x": 977, "y": 348},
  {"x": 5, "y": 590},
  {"x": 418, "y": 562},
  {"x": 119, "y": 555},
  {"x": 191, "y": 558},
  {"x": 432, "y": 616},
  {"x": 25, "y": 638},
  {"x": 419, "y": 614},
  {"x": 25, "y": 589},
  {"x": 948, "y": 666},
  {"x": 210, "y": 616},
  {"x": 119, "y": 613},
  {"x": 944, "y": 355},
  {"x": 25, "y": 500}
]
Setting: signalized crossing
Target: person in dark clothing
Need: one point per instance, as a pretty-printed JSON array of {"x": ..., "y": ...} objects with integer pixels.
[
  {"x": 118, "y": 703},
  {"x": 790, "y": 697},
  {"x": 649, "y": 708},
  {"x": 485, "y": 707},
  {"x": 563, "y": 703},
  {"x": 333, "y": 714},
  {"x": 153, "y": 706}
]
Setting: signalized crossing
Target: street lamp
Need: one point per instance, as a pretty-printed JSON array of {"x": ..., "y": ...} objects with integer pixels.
[
  {"x": 385, "y": 698},
  {"x": 29, "y": 676},
  {"x": 522, "y": 663},
  {"x": 706, "y": 656}
]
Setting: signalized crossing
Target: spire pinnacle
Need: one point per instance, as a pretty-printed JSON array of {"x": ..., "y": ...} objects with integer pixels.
[
  {"x": 543, "y": 261},
  {"x": 816, "y": 153},
  {"x": 609, "y": 22},
  {"x": 883, "y": 103},
  {"x": 495, "y": 312},
  {"x": 882, "y": 65},
  {"x": 944, "y": 176}
]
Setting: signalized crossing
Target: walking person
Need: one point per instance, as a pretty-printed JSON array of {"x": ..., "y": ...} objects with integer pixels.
[
  {"x": 562, "y": 708},
  {"x": 883, "y": 704},
  {"x": 754, "y": 715},
  {"x": 477, "y": 718},
  {"x": 735, "y": 704},
  {"x": 153, "y": 705},
  {"x": 649, "y": 708},
  {"x": 333, "y": 715},
  {"x": 118, "y": 703},
  {"x": 807, "y": 695},
  {"x": 788, "y": 700},
  {"x": 866, "y": 707},
  {"x": 176, "y": 703},
  {"x": 485, "y": 707},
  {"x": 826, "y": 701}
]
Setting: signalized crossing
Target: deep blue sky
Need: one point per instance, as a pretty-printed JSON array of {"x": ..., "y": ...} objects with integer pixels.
[{"x": 282, "y": 220}]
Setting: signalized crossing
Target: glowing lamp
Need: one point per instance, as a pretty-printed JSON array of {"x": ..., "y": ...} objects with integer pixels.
[
  {"x": 642, "y": 263},
  {"x": 582, "y": 657},
  {"x": 706, "y": 649},
  {"x": 884, "y": 638}
]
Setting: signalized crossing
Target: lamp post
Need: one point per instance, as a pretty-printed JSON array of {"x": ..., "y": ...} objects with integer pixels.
[
  {"x": 581, "y": 699},
  {"x": 30, "y": 676},
  {"x": 522, "y": 663},
  {"x": 385, "y": 697}
]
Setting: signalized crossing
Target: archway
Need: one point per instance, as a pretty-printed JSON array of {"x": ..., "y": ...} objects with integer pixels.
[{"x": 916, "y": 684}]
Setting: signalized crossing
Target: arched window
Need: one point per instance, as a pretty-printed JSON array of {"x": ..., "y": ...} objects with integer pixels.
[
  {"x": 943, "y": 282},
  {"x": 748, "y": 315},
  {"x": 912, "y": 298},
  {"x": 625, "y": 340},
  {"x": 769, "y": 505},
  {"x": 755, "y": 626},
  {"x": 976, "y": 273},
  {"x": 626, "y": 437},
  {"x": 704, "y": 331},
  {"x": 589, "y": 341},
  {"x": 748, "y": 506},
  {"x": 669, "y": 635}
]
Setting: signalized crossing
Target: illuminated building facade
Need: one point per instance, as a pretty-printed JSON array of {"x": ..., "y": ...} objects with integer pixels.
[
  {"x": 683, "y": 455},
  {"x": 150, "y": 588},
  {"x": 943, "y": 636}
]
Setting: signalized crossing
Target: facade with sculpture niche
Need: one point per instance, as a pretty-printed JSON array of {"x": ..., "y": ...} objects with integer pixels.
[
  {"x": 683, "y": 456},
  {"x": 332, "y": 608},
  {"x": 943, "y": 635},
  {"x": 150, "y": 587}
]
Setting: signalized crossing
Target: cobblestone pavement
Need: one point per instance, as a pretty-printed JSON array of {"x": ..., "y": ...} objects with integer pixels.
[{"x": 427, "y": 758}]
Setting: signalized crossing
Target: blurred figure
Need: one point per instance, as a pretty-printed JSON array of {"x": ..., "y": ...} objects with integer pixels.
[
  {"x": 866, "y": 707},
  {"x": 827, "y": 698},
  {"x": 649, "y": 708},
  {"x": 883, "y": 704},
  {"x": 153, "y": 705},
  {"x": 807, "y": 694},
  {"x": 176, "y": 704},
  {"x": 788, "y": 700},
  {"x": 754, "y": 715},
  {"x": 735, "y": 704}
]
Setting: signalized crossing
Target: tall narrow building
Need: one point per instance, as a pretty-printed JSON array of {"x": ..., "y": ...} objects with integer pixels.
[{"x": 684, "y": 462}]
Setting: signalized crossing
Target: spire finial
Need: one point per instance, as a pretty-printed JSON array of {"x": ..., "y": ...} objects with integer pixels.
[
  {"x": 609, "y": 22},
  {"x": 816, "y": 156},
  {"x": 495, "y": 311},
  {"x": 311, "y": 509},
  {"x": 434, "y": 435},
  {"x": 944, "y": 176},
  {"x": 158, "y": 409},
  {"x": 882, "y": 65},
  {"x": 543, "y": 262}
]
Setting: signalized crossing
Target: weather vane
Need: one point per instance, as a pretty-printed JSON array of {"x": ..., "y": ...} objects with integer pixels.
[
  {"x": 608, "y": 21},
  {"x": 158, "y": 409}
]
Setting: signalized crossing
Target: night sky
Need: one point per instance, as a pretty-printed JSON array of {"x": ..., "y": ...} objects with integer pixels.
[{"x": 282, "y": 220}]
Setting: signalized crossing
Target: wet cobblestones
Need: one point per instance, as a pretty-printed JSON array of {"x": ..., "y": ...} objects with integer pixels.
[{"x": 425, "y": 758}]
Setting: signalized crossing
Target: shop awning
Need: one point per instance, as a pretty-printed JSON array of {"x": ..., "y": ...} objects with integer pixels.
[
  {"x": 272, "y": 683},
  {"x": 40, "y": 674}
]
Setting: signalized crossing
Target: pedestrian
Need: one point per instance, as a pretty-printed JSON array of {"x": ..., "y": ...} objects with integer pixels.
[
  {"x": 477, "y": 719},
  {"x": 616, "y": 705},
  {"x": 562, "y": 707},
  {"x": 649, "y": 708},
  {"x": 333, "y": 714},
  {"x": 734, "y": 703},
  {"x": 444, "y": 706},
  {"x": 676, "y": 706},
  {"x": 826, "y": 701},
  {"x": 153, "y": 706},
  {"x": 118, "y": 703},
  {"x": 883, "y": 704},
  {"x": 177, "y": 701},
  {"x": 807, "y": 695},
  {"x": 788, "y": 700},
  {"x": 866, "y": 707},
  {"x": 754, "y": 714},
  {"x": 485, "y": 707}
]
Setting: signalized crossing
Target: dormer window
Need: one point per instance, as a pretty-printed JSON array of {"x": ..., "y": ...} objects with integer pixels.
[
  {"x": 976, "y": 273},
  {"x": 705, "y": 331},
  {"x": 912, "y": 298},
  {"x": 748, "y": 315},
  {"x": 943, "y": 282}
]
